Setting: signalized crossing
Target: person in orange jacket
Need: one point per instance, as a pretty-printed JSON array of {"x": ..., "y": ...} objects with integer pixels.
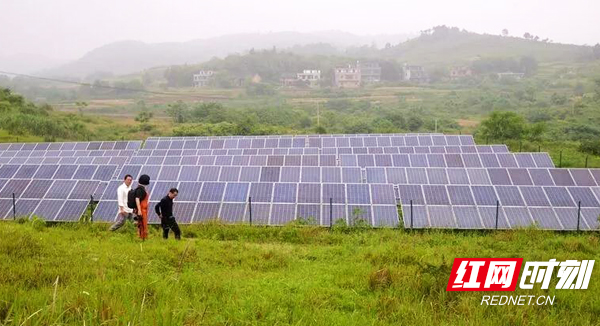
[{"x": 141, "y": 201}]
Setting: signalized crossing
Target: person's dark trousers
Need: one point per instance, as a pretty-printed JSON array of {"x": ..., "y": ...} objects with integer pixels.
[{"x": 169, "y": 223}]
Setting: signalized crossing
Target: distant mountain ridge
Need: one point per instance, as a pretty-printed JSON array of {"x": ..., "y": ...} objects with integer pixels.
[{"x": 126, "y": 57}]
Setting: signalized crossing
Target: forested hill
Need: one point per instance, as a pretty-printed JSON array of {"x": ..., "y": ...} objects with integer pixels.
[
  {"x": 442, "y": 44},
  {"x": 131, "y": 56}
]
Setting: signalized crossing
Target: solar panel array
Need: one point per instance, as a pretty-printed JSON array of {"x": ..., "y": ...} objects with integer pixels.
[
  {"x": 440, "y": 181},
  {"x": 56, "y": 180}
]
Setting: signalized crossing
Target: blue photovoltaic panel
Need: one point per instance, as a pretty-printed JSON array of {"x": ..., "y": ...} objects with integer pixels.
[
  {"x": 499, "y": 177},
  {"x": 416, "y": 175},
  {"x": 518, "y": 217},
  {"x": 454, "y": 160},
  {"x": 26, "y": 171},
  {"x": 411, "y": 192},
  {"x": 562, "y": 177},
  {"x": 545, "y": 218},
  {"x": 25, "y": 207},
  {"x": 46, "y": 172},
  {"x": 290, "y": 174},
  {"x": 151, "y": 170},
  {"x": 8, "y": 171},
  {"x": 72, "y": 210},
  {"x": 484, "y": 195},
  {"x": 258, "y": 160},
  {"x": 14, "y": 186},
  {"x": 467, "y": 217},
  {"x": 337, "y": 212},
  {"x": 83, "y": 190},
  {"x": 250, "y": 174},
  {"x": 311, "y": 174},
  {"x": 48, "y": 209},
  {"x": 541, "y": 177},
  {"x": 534, "y": 196},
  {"x": 385, "y": 216},
  {"x": 520, "y": 177},
  {"x": 401, "y": 160},
  {"x": 383, "y": 194},
  {"x": 335, "y": 192},
  {"x": 184, "y": 212},
  {"x": 260, "y": 213},
  {"x": 435, "y": 195},
  {"x": 230, "y": 173},
  {"x": 460, "y": 195},
  {"x": 489, "y": 160},
  {"x": 509, "y": 196},
  {"x": 436, "y": 160},
  {"x": 312, "y": 213},
  {"x": 232, "y": 212},
  {"x": 542, "y": 160},
  {"x": 396, "y": 175},
  {"x": 559, "y": 196},
  {"x": 583, "y": 177},
  {"x": 236, "y": 192},
  {"x": 104, "y": 173},
  {"x": 189, "y": 191},
  {"x": 328, "y": 174},
  {"x": 441, "y": 217},
  {"x": 507, "y": 160},
  {"x": 189, "y": 173},
  {"x": 418, "y": 160},
  {"x": 37, "y": 188},
  {"x": 376, "y": 175},
  {"x": 415, "y": 216},
  {"x": 437, "y": 176},
  {"x": 282, "y": 214},
  {"x": 261, "y": 192},
  {"x": 285, "y": 193},
  {"x": 269, "y": 174},
  {"x": 584, "y": 195},
  {"x": 351, "y": 175},
  {"x": 358, "y": 194},
  {"x": 170, "y": 173},
  {"x": 472, "y": 161},
  {"x": 359, "y": 212},
  {"x": 488, "y": 216},
  {"x": 310, "y": 193},
  {"x": 458, "y": 176},
  {"x": 525, "y": 160},
  {"x": 212, "y": 191},
  {"x": 209, "y": 173}
]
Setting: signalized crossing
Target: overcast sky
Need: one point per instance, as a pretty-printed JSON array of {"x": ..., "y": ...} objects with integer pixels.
[{"x": 66, "y": 29}]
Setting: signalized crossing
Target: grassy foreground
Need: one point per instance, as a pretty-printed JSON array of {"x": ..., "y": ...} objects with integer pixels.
[{"x": 239, "y": 275}]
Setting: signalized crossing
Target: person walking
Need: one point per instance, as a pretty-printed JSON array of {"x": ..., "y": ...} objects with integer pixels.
[
  {"x": 142, "y": 197},
  {"x": 125, "y": 213},
  {"x": 164, "y": 210}
]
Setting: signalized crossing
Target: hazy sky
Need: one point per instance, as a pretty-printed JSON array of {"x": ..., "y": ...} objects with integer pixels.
[{"x": 66, "y": 29}]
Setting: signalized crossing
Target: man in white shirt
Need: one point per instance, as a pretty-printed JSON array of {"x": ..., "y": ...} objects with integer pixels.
[{"x": 125, "y": 213}]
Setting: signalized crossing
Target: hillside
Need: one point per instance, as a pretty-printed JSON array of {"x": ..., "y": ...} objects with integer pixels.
[
  {"x": 130, "y": 56},
  {"x": 450, "y": 45}
]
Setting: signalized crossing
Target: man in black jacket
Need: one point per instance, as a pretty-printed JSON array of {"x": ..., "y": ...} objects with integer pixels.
[{"x": 164, "y": 210}]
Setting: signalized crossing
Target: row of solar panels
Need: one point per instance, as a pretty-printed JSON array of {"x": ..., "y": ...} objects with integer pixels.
[
  {"x": 329, "y": 151},
  {"x": 266, "y": 213},
  {"x": 51, "y": 189},
  {"x": 72, "y": 146},
  {"x": 172, "y": 165},
  {"x": 484, "y": 217},
  {"x": 99, "y": 160},
  {"x": 392, "y": 175},
  {"x": 49, "y": 209},
  {"x": 300, "y": 142},
  {"x": 293, "y": 136},
  {"x": 481, "y": 195},
  {"x": 62, "y": 172},
  {"x": 82, "y": 153},
  {"x": 213, "y": 194}
]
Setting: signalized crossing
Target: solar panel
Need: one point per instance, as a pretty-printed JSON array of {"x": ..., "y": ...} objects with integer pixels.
[
  {"x": 72, "y": 210},
  {"x": 48, "y": 209}
]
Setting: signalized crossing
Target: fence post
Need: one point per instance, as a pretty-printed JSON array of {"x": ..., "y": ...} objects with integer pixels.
[
  {"x": 520, "y": 145},
  {"x": 560, "y": 160},
  {"x": 539, "y": 148},
  {"x": 91, "y": 208},
  {"x": 497, "y": 212},
  {"x": 330, "y": 212},
  {"x": 411, "y": 215},
  {"x": 578, "y": 214},
  {"x": 14, "y": 207},
  {"x": 586, "y": 160},
  {"x": 487, "y": 139},
  {"x": 250, "y": 208}
]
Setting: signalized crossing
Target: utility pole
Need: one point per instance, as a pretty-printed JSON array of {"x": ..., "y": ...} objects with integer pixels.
[{"x": 318, "y": 114}]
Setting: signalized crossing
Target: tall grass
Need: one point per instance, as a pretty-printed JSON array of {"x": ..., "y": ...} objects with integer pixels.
[{"x": 81, "y": 274}]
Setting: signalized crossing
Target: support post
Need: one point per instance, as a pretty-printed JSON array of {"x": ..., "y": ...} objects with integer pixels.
[
  {"x": 560, "y": 160},
  {"x": 330, "y": 212},
  {"x": 586, "y": 161},
  {"x": 91, "y": 208},
  {"x": 14, "y": 207},
  {"x": 250, "y": 208},
  {"x": 497, "y": 212},
  {"x": 411, "y": 215},
  {"x": 539, "y": 148},
  {"x": 520, "y": 145},
  {"x": 578, "y": 214}
]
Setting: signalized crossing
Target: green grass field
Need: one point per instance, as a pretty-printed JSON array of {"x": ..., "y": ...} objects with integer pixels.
[{"x": 81, "y": 274}]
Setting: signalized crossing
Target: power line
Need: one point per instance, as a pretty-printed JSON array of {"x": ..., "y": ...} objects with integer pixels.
[{"x": 92, "y": 85}]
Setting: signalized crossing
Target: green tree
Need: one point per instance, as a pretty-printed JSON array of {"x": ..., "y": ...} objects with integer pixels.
[
  {"x": 178, "y": 111},
  {"x": 502, "y": 125},
  {"x": 414, "y": 122},
  {"x": 80, "y": 106}
]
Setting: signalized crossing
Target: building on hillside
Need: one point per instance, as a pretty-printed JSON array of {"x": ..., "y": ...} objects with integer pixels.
[
  {"x": 414, "y": 73},
  {"x": 459, "y": 72},
  {"x": 347, "y": 76},
  {"x": 288, "y": 79},
  {"x": 203, "y": 78},
  {"x": 310, "y": 77},
  {"x": 513, "y": 75},
  {"x": 370, "y": 72},
  {"x": 256, "y": 79}
]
